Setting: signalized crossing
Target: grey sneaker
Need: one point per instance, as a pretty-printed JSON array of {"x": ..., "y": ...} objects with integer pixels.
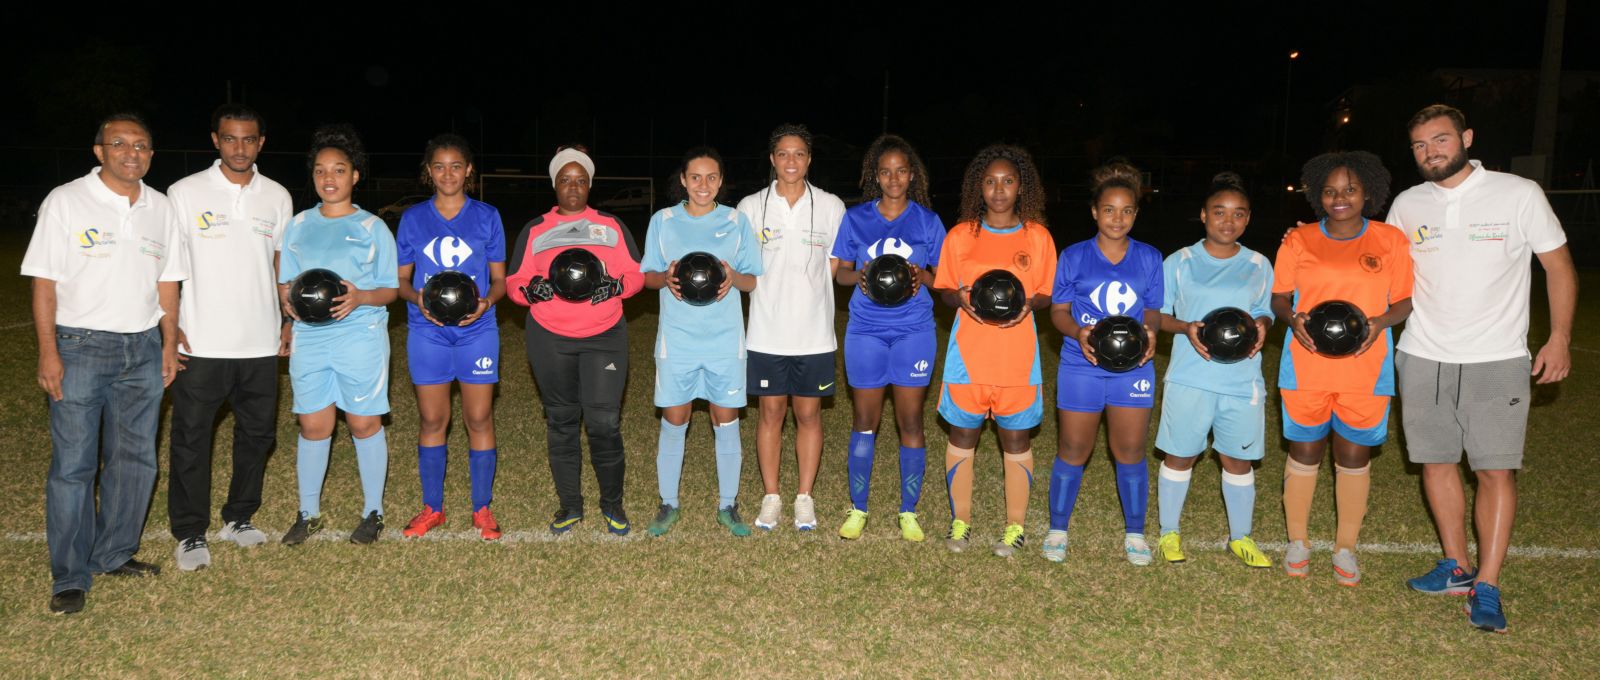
[
  {"x": 368, "y": 530},
  {"x": 805, "y": 513},
  {"x": 243, "y": 533},
  {"x": 1054, "y": 546},
  {"x": 1345, "y": 570},
  {"x": 960, "y": 533},
  {"x": 1297, "y": 559},
  {"x": 771, "y": 512},
  {"x": 192, "y": 554}
]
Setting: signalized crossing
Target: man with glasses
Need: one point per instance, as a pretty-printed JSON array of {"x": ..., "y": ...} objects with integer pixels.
[{"x": 105, "y": 263}]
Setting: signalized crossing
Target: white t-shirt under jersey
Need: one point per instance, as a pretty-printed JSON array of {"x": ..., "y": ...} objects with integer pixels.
[
  {"x": 1471, "y": 247},
  {"x": 791, "y": 309},
  {"x": 229, "y": 306}
]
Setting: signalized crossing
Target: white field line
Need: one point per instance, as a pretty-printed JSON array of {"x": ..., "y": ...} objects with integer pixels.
[
  {"x": 581, "y": 536},
  {"x": 14, "y": 326}
]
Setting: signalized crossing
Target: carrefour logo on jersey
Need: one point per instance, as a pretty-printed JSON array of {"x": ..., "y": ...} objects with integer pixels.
[
  {"x": 1115, "y": 297},
  {"x": 447, "y": 251},
  {"x": 889, "y": 246},
  {"x": 483, "y": 364},
  {"x": 920, "y": 368},
  {"x": 1141, "y": 388}
]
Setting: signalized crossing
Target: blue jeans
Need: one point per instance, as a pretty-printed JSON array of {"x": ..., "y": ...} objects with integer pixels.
[{"x": 106, "y": 421}]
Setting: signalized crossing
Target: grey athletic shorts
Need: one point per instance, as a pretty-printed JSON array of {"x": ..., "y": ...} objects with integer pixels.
[{"x": 1481, "y": 408}]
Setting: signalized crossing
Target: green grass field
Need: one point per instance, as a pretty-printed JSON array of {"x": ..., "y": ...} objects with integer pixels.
[{"x": 702, "y": 603}]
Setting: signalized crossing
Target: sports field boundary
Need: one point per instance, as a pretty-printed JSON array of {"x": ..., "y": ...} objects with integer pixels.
[{"x": 535, "y": 536}]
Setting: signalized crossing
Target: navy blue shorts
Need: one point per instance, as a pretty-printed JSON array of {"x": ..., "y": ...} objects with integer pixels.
[{"x": 806, "y": 375}]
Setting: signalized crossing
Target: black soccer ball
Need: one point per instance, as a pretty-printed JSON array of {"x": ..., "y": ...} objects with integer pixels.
[
  {"x": 887, "y": 280},
  {"x": 699, "y": 276},
  {"x": 998, "y": 297},
  {"x": 1337, "y": 328},
  {"x": 1228, "y": 333},
  {"x": 450, "y": 296},
  {"x": 1119, "y": 343},
  {"x": 311, "y": 295},
  {"x": 575, "y": 273}
]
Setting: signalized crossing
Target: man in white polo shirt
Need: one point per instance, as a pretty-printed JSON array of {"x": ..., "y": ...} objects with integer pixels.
[
  {"x": 1463, "y": 363},
  {"x": 230, "y": 333},
  {"x": 105, "y": 267}
]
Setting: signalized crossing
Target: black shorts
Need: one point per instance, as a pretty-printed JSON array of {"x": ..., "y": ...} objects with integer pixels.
[{"x": 807, "y": 375}]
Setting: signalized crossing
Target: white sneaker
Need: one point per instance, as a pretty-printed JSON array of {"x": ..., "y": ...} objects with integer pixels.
[
  {"x": 1137, "y": 549},
  {"x": 805, "y": 513},
  {"x": 243, "y": 533},
  {"x": 192, "y": 554},
  {"x": 771, "y": 512},
  {"x": 1055, "y": 546}
]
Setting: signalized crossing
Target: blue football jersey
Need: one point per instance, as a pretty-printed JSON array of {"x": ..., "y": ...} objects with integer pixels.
[
  {"x": 1096, "y": 289},
  {"x": 1195, "y": 284},
  {"x": 466, "y": 243},
  {"x": 358, "y": 247},
  {"x": 917, "y": 235},
  {"x": 717, "y": 329}
]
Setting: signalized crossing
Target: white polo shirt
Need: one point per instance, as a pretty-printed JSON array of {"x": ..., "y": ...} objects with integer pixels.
[
  {"x": 1471, "y": 247},
  {"x": 229, "y": 308},
  {"x": 791, "y": 309},
  {"x": 105, "y": 255}
]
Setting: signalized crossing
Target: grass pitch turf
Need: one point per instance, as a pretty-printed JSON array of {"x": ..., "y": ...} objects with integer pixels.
[{"x": 700, "y": 602}]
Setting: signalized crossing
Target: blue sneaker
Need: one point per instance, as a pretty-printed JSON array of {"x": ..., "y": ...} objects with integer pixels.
[
  {"x": 1447, "y": 578},
  {"x": 616, "y": 521},
  {"x": 1483, "y": 608}
]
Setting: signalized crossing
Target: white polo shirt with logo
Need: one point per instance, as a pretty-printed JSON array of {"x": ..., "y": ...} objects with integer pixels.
[
  {"x": 105, "y": 255},
  {"x": 229, "y": 308},
  {"x": 791, "y": 309},
  {"x": 1471, "y": 247}
]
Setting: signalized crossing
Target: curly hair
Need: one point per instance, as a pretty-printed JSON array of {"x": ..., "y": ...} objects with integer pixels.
[
  {"x": 1118, "y": 174},
  {"x": 342, "y": 137},
  {"x": 454, "y": 142},
  {"x": 1030, "y": 197},
  {"x": 1224, "y": 182},
  {"x": 918, "y": 191},
  {"x": 678, "y": 192},
  {"x": 1366, "y": 166}
]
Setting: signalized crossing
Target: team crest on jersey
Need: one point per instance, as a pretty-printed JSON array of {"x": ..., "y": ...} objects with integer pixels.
[
  {"x": 207, "y": 220},
  {"x": 1423, "y": 234},
  {"x": 1371, "y": 263},
  {"x": 769, "y": 235},
  {"x": 597, "y": 232},
  {"x": 1022, "y": 260},
  {"x": 1115, "y": 297},
  {"x": 447, "y": 251},
  {"x": 889, "y": 246}
]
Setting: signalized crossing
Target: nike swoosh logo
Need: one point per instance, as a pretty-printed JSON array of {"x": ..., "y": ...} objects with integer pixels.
[
  {"x": 1247, "y": 446},
  {"x": 362, "y": 397},
  {"x": 352, "y": 238},
  {"x": 722, "y": 234},
  {"x": 733, "y": 391},
  {"x": 823, "y": 387}
]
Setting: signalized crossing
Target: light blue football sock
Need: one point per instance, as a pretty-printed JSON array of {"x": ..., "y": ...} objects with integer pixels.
[
  {"x": 669, "y": 460},
  {"x": 859, "y": 466},
  {"x": 913, "y": 466},
  {"x": 1065, "y": 478},
  {"x": 1239, "y": 497},
  {"x": 1172, "y": 487},
  {"x": 372, "y": 459},
  {"x": 311, "y": 466},
  {"x": 729, "y": 457}
]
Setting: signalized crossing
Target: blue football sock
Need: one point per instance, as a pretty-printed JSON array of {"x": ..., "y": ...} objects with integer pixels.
[
  {"x": 1239, "y": 497},
  {"x": 1065, "y": 478},
  {"x": 1172, "y": 487},
  {"x": 311, "y": 466},
  {"x": 430, "y": 467},
  {"x": 372, "y": 459},
  {"x": 729, "y": 456},
  {"x": 859, "y": 465},
  {"x": 669, "y": 460},
  {"x": 1133, "y": 487},
  {"x": 913, "y": 465},
  {"x": 480, "y": 466}
]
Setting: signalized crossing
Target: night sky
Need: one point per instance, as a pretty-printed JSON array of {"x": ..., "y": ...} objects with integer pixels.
[{"x": 1158, "y": 85}]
